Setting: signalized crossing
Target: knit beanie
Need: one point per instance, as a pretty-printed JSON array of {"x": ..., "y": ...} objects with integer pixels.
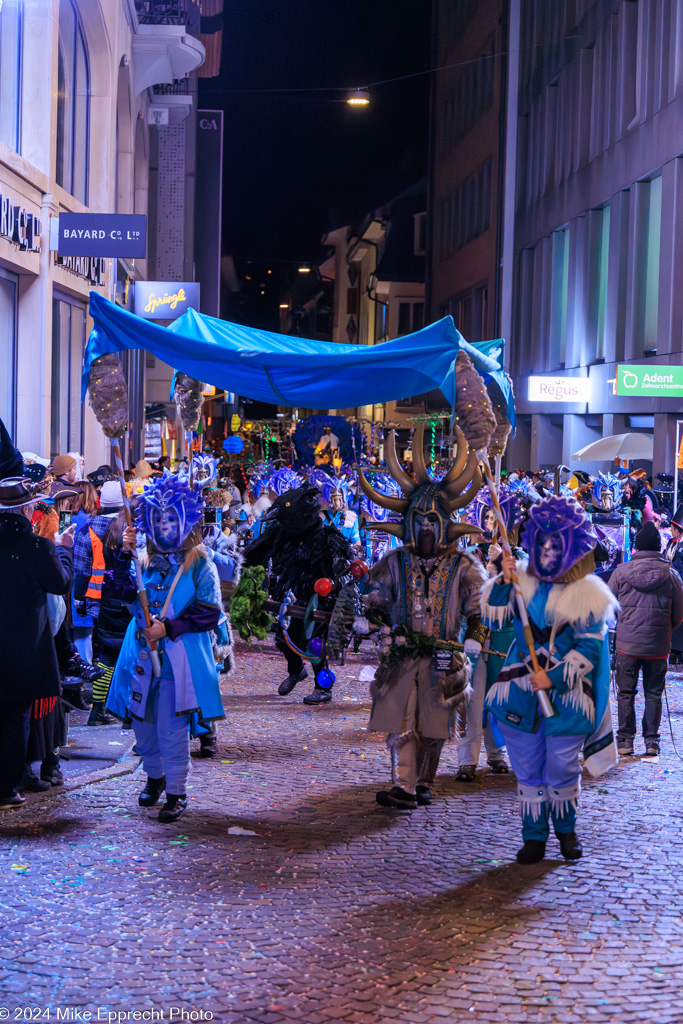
[{"x": 648, "y": 538}]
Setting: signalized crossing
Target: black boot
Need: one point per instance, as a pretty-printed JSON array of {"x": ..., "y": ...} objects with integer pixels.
[
  {"x": 72, "y": 695},
  {"x": 50, "y": 770},
  {"x": 319, "y": 696},
  {"x": 396, "y": 797},
  {"x": 207, "y": 745},
  {"x": 423, "y": 795},
  {"x": 570, "y": 846},
  {"x": 532, "y": 851},
  {"x": 98, "y": 716},
  {"x": 288, "y": 684},
  {"x": 30, "y": 782},
  {"x": 152, "y": 791},
  {"x": 84, "y": 670},
  {"x": 174, "y": 808}
]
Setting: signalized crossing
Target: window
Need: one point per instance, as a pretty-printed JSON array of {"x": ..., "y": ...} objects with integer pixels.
[
  {"x": 650, "y": 300},
  {"x": 558, "y": 298},
  {"x": 10, "y": 73},
  {"x": 466, "y": 213},
  {"x": 470, "y": 311},
  {"x": 73, "y": 104},
  {"x": 68, "y": 345},
  {"x": 410, "y": 317},
  {"x": 8, "y": 350},
  {"x": 603, "y": 268}
]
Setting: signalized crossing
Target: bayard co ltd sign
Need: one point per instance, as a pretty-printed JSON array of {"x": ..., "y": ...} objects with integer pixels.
[
  {"x": 648, "y": 380},
  {"x": 103, "y": 234},
  {"x": 165, "y": 300},
  {"x": 559, "y": 389},
  {"x": 19, "y": 226}
]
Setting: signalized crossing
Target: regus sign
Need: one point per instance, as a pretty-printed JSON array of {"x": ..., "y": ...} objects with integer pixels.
[
  {"x": 650, "y": 381},
  {"x": 559, "y": 389}
]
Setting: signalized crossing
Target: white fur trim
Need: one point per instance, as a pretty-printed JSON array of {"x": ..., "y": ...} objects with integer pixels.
[
  {"x": 500, "y": 691},
  {"x": 350, "y": 518},
  {"x": 497, "y": 615},
  {"x": 565, "y": 797},
  {"x": 531, "y": 799},
  {"x": 576, "y": 603}
]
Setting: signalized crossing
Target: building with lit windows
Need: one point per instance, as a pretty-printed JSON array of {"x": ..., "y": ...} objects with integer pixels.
[
  {"x": 598, "y": 227},
  {"x": 77, "y": 102}
]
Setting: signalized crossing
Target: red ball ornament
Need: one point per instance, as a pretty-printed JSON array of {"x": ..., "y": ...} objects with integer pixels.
[
  {"x": 323, "y": 586},
  {"x": 358, "y": 569}
]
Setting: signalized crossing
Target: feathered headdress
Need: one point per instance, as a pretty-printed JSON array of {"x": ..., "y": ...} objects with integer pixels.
[
  {"x": 283, "y": 480},
  {"x": 510, "y": 506},
  {"x": 170, "y": 492}
]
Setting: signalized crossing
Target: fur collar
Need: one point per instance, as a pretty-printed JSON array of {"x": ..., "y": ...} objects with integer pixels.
[{"x": 574, "y": 603}]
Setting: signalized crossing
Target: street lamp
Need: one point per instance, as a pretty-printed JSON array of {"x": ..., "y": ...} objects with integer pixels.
[{"x": 358, "y": 98}]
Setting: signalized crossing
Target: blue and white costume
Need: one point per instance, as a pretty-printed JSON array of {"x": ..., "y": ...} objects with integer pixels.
[{"x": 569, "y": 622}]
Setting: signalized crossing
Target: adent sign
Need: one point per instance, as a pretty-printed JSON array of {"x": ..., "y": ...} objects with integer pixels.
[
  {"x": 650, "y": 381},
  {"x": 559, "y": 389},
  {"x": 103, "y": 234},
  {"x": 165, "y": 300}
]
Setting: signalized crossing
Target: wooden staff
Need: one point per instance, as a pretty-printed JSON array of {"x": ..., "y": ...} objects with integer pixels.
[
  {"x": 544, "y": 703},
  {"x": 142, "y": 593}
]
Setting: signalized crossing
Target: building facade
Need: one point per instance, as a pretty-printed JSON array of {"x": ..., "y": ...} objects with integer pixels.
[
  {"x": 75, "y": 96},
  {"x": 598, "y": 226},
  {"x": 465, "y": 164}
]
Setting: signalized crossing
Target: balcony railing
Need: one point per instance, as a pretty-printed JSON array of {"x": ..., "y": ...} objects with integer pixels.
[
  {"x": 179, "y": 87},
  {"x": 167, "y": 12}
]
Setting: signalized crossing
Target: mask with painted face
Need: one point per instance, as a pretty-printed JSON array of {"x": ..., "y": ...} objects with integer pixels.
[
  {"x": 204, "y": 470},
  {"x": 557, "y": 536},
  {"x": 481, "y": 513},
  {"x": 167, "y": 512}
]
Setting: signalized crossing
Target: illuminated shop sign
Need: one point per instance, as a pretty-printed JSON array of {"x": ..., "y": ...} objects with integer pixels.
[
  {"x": 19, "y": 226},
  {"x": 163, "y": 300},
  {"x": 559, "y": 389},
  {"x": 649, "y": 381}
]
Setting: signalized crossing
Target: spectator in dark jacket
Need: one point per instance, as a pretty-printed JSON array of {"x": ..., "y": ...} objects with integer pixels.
[
  {"x": 650, "y": 593},
  {"x": 674, "y": 554},
  {"x": 30, "y": 569}
]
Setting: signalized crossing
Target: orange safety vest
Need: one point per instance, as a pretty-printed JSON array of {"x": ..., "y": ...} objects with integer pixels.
[{"x": 97, "y": 577}]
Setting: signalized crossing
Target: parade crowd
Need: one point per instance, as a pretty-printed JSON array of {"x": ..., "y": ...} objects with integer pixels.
[{"x": 497, "y": 612}]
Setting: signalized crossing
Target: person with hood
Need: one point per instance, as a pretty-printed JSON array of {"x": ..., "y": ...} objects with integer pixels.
[{"x": 650, "y": 593}]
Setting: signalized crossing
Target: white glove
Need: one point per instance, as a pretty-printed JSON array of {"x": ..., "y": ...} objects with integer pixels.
[{"x": 472, "y": 648}]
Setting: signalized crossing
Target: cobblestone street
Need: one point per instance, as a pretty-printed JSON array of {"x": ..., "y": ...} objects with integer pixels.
[{"x": 336, "y": 909}]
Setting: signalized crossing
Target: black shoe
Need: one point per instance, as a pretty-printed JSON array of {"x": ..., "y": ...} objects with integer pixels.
[
  {"x": 570, "y": 846},
  {"x": 73, "y": 697},
  {"x": 52, "y": 774},
  {"x": 84, "y": 670},
  {"x": 319, "y": 696},
  {"x": 396, "y": 797},
  {"x": 424, "y": 796},
  {"x": 152, "y": 791},
  {"x": 652, "y": 750},
  {"x": 207, "y": 746},
  {"x": 288, "y": 684},
  {"x": 10, "y": 802},
  {"x": 466, "y": 773},
  {"x": 98, "y": 716},
  {"x": 499, "y": 766},
  {"x": 30, "y": 783},
  {"x": 174, "y": 808},
  {"x": 532, "y": 851}
]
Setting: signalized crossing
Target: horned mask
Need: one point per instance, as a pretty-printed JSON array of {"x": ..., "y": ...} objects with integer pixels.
[{"x": 427, "y": 504}]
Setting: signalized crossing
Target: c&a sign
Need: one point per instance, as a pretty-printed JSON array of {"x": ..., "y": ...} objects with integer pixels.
[{"x": 165, "y": 300}]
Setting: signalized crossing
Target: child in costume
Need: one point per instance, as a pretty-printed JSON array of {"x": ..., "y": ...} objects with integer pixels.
[
  {"x": 185, "y": 603},
  {"x": 568, "y": 609}
]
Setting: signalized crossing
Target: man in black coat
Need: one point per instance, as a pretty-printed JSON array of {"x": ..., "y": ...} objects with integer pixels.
[{"x": 31, "y": 567}]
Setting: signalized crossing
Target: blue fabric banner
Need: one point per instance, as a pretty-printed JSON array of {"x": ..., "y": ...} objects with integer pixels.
[{"x": 280, "y": 368}]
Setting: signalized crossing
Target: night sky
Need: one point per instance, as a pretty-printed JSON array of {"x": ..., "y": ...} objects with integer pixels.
[{"x": 298, "y": 164}]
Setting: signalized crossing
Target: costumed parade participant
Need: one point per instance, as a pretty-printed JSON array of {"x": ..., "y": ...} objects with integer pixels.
[
  {"x": 335, "y": 495},
  {"x": 185, "y": 601},
  {"x": 327, "y": 447},
  {"x": 422, "y": 593},
  {"x": 568, "y": 610},
  {"x": 375, "y": 543},
  {"x": 301, "y": 551},
  {"x": 481, "y": 513},
  {"x": 274, "y": 486},
  {"x": 222, "y": 550}
]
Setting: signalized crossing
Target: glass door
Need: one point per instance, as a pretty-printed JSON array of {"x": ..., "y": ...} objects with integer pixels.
[
  {"x": 68, "y": 344},
  {"x": 8, "y": 350}
]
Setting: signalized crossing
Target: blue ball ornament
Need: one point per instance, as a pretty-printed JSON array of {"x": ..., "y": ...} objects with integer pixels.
[
  {"x": 315, "y": 646},
  {"x": 324, "y": 679}
]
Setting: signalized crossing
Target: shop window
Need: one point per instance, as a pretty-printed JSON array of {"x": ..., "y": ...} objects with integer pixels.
[
  {"x": 558, "y": 299},
  {"x": 8, "y": 350},
  {"x": 603, "y": 268},
  {"x": 10, "y": 73},
  {"x": 68, "y": 345},
  {"x": 649, "y": 300},
  {"x": 73, "y": 104}
]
